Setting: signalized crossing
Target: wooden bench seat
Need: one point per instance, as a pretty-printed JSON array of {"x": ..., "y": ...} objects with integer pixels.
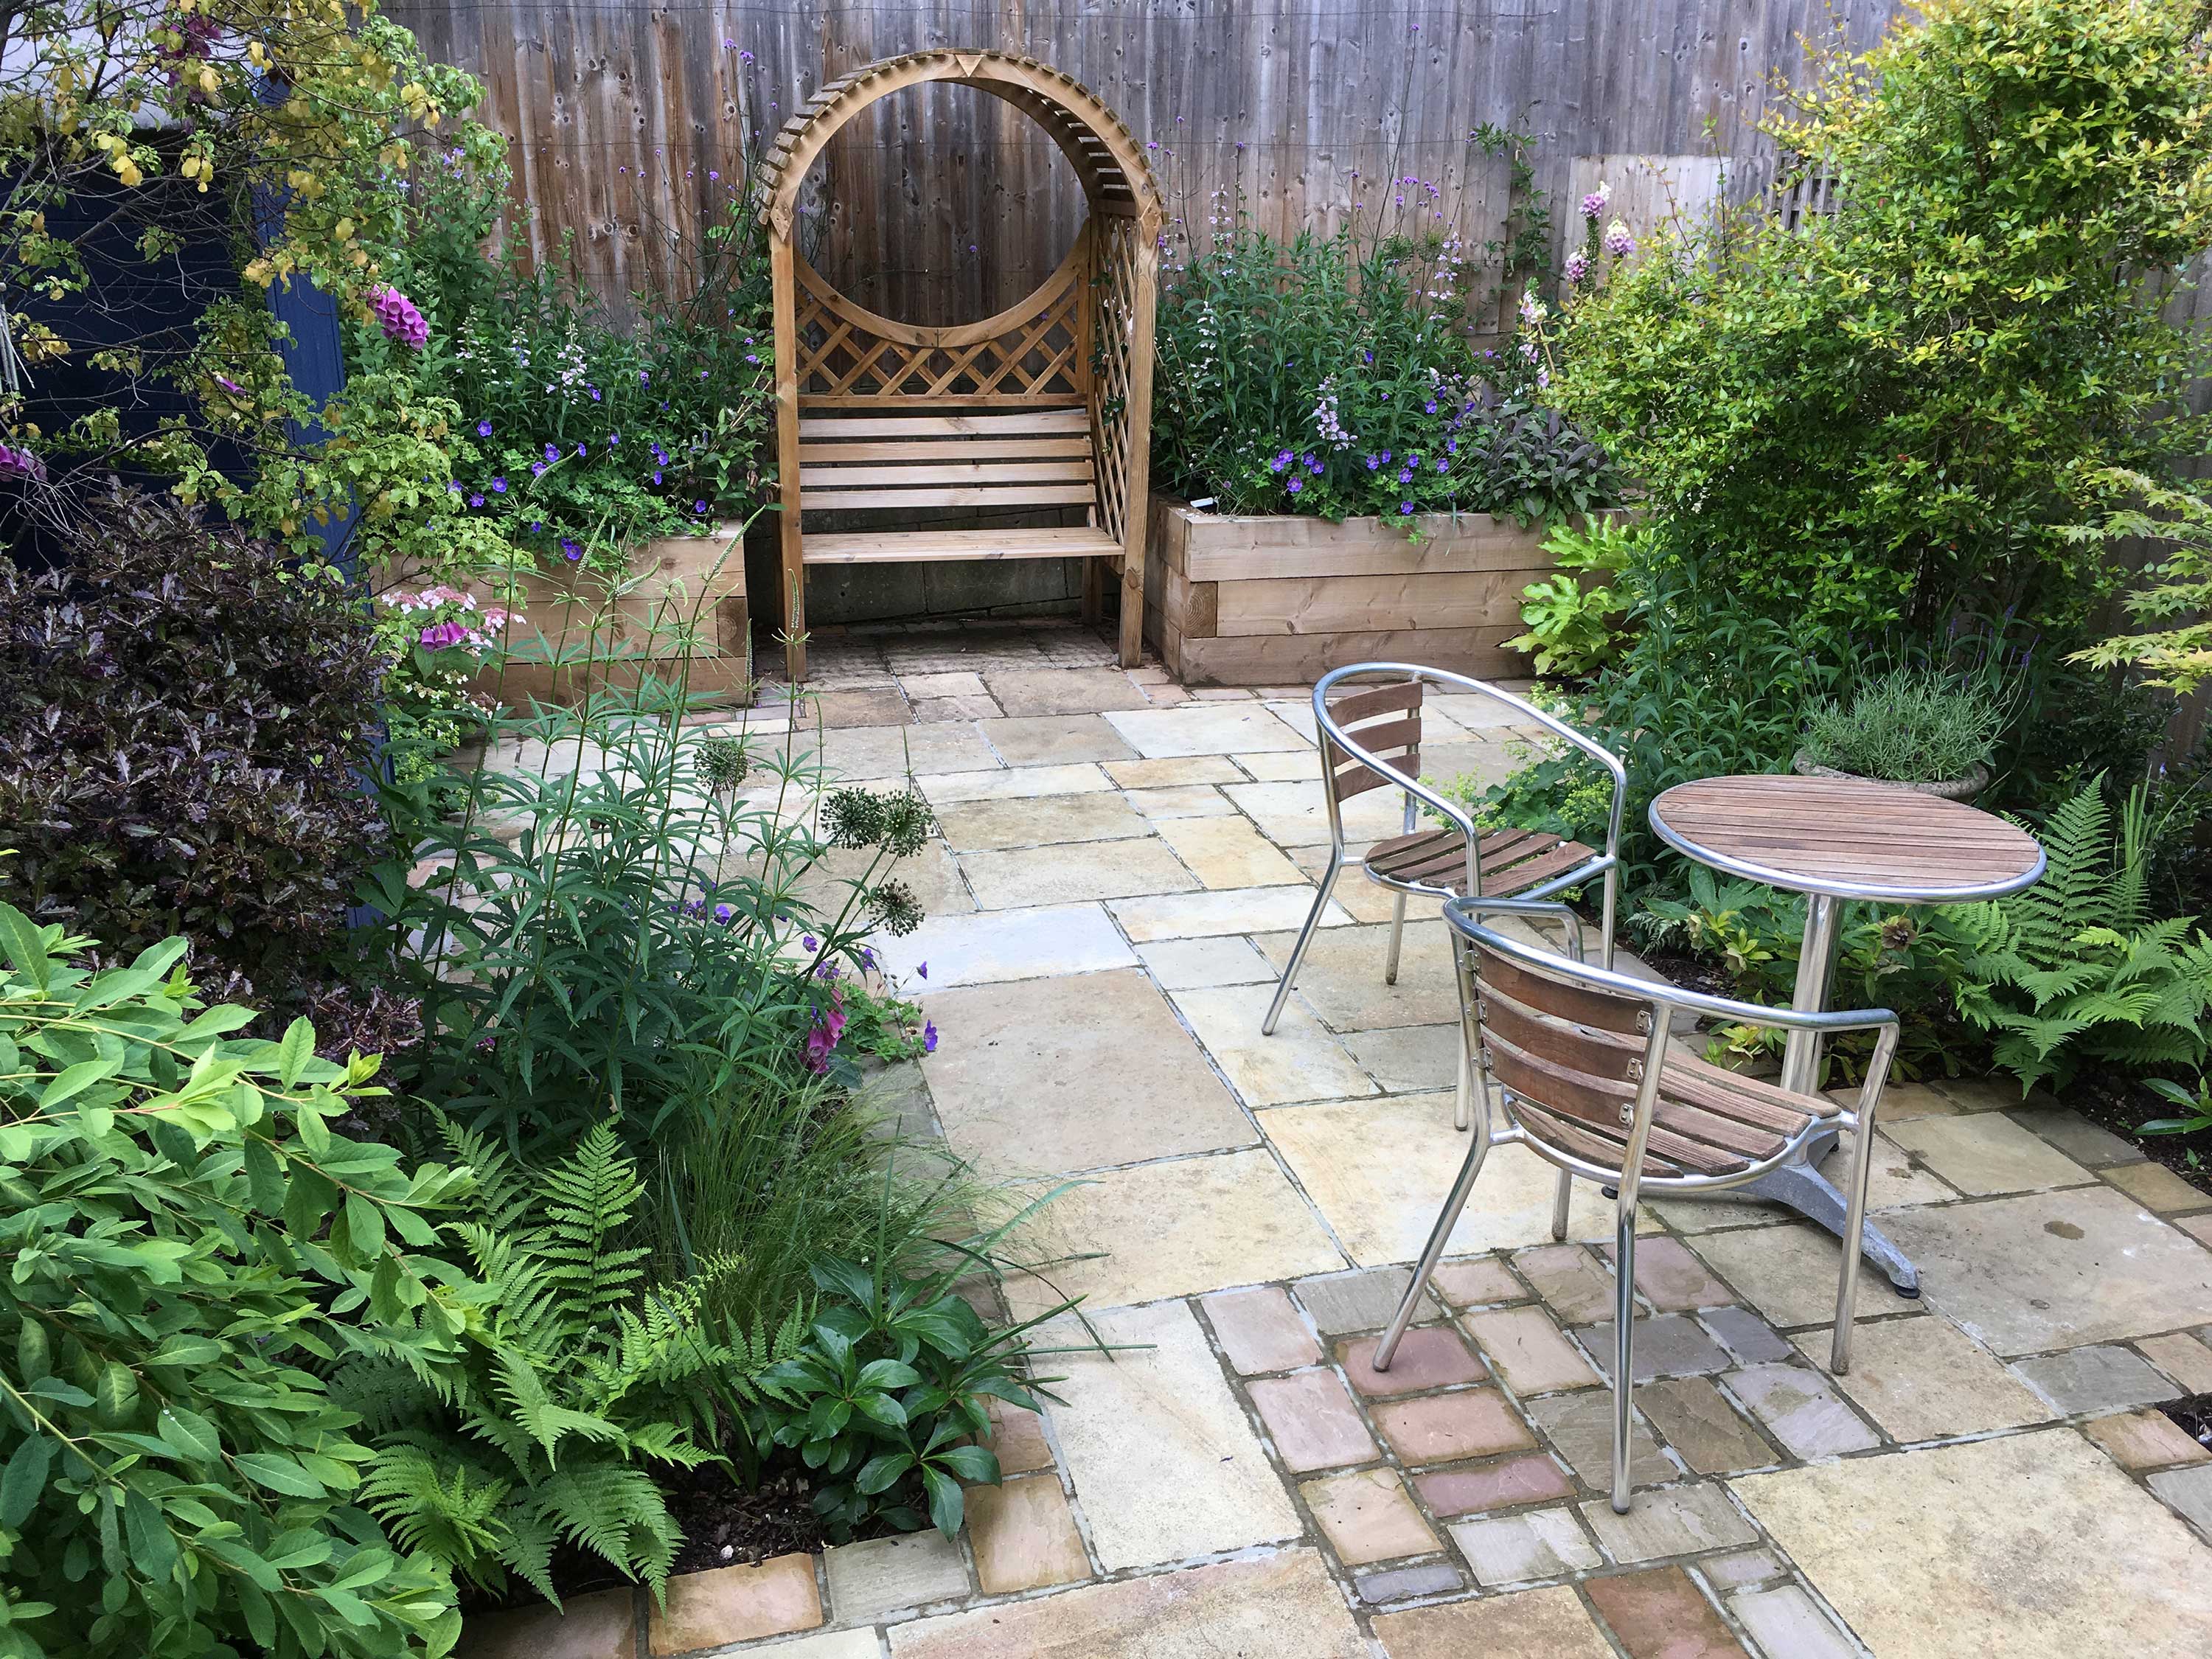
[
  {"x": 943, "y": 455},
  {"x": 912, "y": 546}
]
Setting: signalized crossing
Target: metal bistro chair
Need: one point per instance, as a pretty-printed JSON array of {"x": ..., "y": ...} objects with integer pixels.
[
  {"x": 1581, "y": 1061},
  {"x": 1371, "y": 739}
]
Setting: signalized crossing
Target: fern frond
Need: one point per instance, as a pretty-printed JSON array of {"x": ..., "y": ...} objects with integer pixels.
[
  {"x": 617, "y": 1513},
  {"x": 452, "y": 1510}
]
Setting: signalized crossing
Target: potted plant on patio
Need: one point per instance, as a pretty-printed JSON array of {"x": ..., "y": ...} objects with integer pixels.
[{"x": 1919, "y": 728}]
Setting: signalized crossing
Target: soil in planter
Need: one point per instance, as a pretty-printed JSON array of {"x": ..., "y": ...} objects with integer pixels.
[
  {"x": 2194, "y": 1414},
  {"x": 724, "y": 1525},
  {"x": 2114, "y": 1101}
]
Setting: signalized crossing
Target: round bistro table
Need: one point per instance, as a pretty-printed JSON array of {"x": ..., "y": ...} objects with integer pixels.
[{"x": 1833, "y": 840}]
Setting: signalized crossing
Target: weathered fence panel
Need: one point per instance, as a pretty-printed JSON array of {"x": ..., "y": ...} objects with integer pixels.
[{"x": 631, "y": 122}]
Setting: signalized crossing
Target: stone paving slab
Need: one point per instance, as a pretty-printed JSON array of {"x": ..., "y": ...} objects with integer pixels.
[
  {"x": 1003, "y": 945},
  {"x": 1293, "y": 814},
  {"x": 1923, "y": 1378},
  {"x": 1021, "y": 876},
  {"x": 1052, "y": 739},
  {"x": 1341, "y": 977},
  {"x": 1191, "y": 965},
  {"x": 2022, "y": 1547},
  {"x": 1300, "y": 1060},
  {"x": 2058, "y": 1269},
  {"x": 1049, "y": 1076},
  {"x": 1550, "y": 1623},
  {"x": 1164, "y": 1463},
  {"x": 1276, "y": 1604},
  {"x": 1228, "y": 852},
  {"x": 943, "y": 789},
  {"x": 1177, "y": 1228},
  {"x": 981, "y": 826},
  {"x": 1229, "y": 910},
  {"x": 1204, "y": 729}
]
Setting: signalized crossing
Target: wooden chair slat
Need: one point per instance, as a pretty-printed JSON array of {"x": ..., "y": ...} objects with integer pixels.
[
  {"x": 930, "y": 546},
  {"x": 1522, "y": 874},
  {"x": 1607, "y": 1056},
  {"x": 1581, "y": 1005},
  {"x": 1596, "y": 1105},
  {"x": 1357, "y": 778},
  {"x": 1348, "y": 711},
  {"x": 1587, "y": 1143}
]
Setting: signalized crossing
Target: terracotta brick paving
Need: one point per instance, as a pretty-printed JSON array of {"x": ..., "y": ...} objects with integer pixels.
[{"x": 1454, "y": 1505}]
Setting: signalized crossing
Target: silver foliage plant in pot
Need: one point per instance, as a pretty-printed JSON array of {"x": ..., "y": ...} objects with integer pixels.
[{"x": 1920, "y": 728}]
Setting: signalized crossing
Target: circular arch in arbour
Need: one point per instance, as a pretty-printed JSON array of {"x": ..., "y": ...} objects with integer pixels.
[{"x": 1047, "y": 404}]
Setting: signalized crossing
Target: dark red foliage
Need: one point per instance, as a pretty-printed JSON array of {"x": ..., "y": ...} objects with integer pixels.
[{"x": 184, "y": 716}]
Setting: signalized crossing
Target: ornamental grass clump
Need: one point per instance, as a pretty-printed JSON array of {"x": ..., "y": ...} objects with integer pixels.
[{"x": 1908, "y": 726}]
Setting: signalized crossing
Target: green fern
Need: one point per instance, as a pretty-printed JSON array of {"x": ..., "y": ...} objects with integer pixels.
[
  {"x": 2074, "y": 969},
  {"x": 571, "y": 1380}
]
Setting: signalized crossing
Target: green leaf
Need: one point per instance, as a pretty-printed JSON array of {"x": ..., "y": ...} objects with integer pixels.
[
  {"x": 24, "y": 1479},
  {"x": 278, "y": 1474},
  {"x": 294, "y": 1051},
  {"x": 21, "y": 940},
  {"x": 265, "y": 1177},
  {"x": 882, "y": 1471},
  {"x": 192, "y": 1435},
  {"x": 972, "y": 1463},
  {"x": 73, "y": 1080},
  {"x": 117, "y": 1392},
  {"x": 153, "y": 1545},
  {"x": 364, "y": 1226},
  {"x": 946, "y": 1502}
]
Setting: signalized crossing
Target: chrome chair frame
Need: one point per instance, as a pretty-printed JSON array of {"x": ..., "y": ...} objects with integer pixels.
[
  {"x": 1662, "y": 1001},
  {"x": 1331, "y": 737}
]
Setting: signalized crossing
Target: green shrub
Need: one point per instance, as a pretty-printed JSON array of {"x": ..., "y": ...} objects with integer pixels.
[
  {"x": 184, "y": 715},
  {"x": 883, "y": 1403},
  {"x": 576, "y": 1382},
  {"x": 1574, "y": 625},
  {"x": 189, "y": 1246},
  {"x": 1908, "y": 726},
  {"x": 1901, "y": 959},
  {"x": 604, "y": 931},
  {"x": 1333, "y": 375},
  {"x": 1906, "y": 411},
  {"x": 1707, "y": 685},
  {"x": 2075, "y": 967}
]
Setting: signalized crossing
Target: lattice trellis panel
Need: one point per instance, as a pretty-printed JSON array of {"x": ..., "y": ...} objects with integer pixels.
[
  {"x": 1114, "y": 294},
  {"x": 840, "y": 356}
]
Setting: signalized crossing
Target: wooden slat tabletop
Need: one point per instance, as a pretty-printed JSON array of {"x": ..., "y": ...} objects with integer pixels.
[{"x": 1848, "y": 838}]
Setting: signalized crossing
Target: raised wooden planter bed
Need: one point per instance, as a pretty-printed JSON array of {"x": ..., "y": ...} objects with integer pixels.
[
  {"x": 699, "y": 578},
  {"x": 1279, "y": 601}
]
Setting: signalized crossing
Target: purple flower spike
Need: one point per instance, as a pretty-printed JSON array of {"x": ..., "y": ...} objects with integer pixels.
[
  {"x": 403, "y": 323},
  {"x": 929, "y": 1037}
]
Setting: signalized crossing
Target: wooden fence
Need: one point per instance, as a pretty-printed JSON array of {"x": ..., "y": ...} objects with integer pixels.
[{"x": 632, "y": 123}]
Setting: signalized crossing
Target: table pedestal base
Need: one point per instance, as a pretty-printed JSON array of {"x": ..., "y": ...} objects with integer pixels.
[{"x": 1802, "y": 1188}]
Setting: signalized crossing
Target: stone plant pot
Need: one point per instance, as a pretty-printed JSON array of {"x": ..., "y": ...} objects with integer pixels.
[{"x": 1961, "y": 789}]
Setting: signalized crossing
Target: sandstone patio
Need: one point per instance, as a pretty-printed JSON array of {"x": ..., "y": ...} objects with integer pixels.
[{"x": 1120, "y": 867}]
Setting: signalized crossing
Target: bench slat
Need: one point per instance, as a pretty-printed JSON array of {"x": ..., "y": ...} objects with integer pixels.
[
  {"x": 1036, "y": 422},
  {"x": 826, "y": 501},
  {"x": 929, "y": 546},
  {"x": 948, "y": 449},
  {"x": 979, "y": 471}
]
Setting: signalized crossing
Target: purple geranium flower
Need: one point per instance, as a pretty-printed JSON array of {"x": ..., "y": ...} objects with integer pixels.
[
  {"x": 570, "y": 551},
  {"x": 499, "y": 486},
  {"x": 483, "y": 428},
  {"x": 1295, "y": 485},
  {"x": 921, "y": 970},
  {"x": 808, "y": 942},
  {"x": 552, "y": 453}
]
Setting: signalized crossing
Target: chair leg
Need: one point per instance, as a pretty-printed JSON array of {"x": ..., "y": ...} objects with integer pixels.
[
  {"x": 1397, "y": 935},
  {"x": 1433, "y": 1250},
  {"x": 1624, "y": 1348},
  {"x": 1847, "y": 1284},
  {"x": 1611, "y": 903},
  {"x": 1561, "y": 1200},
  {"x": 1305, "y": 938}
]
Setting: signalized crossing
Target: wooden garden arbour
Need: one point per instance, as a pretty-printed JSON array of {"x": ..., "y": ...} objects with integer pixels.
[{"x": 1047, "y": 404}]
